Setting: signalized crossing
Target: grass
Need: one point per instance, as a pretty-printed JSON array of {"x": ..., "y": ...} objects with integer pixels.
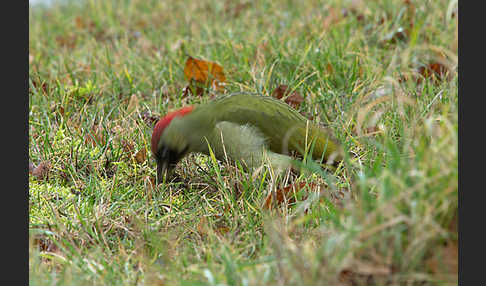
[{"x": 388, "y": 216}]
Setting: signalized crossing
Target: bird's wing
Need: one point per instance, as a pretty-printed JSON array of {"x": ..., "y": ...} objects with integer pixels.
[{"x": 284, "y": 128}]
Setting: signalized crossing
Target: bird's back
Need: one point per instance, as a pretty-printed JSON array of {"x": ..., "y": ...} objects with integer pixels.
[{"x": 285, "y": 130}]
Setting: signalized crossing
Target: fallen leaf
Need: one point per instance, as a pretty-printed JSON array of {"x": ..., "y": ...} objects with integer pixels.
[
  {"x": 141, "y": 156},
  {"x": 284, "y": 194},
  {"x": 280, "y": 91},
  {"x": 435, "y": 70},
  {"x": 31, "y": 58},
  {"x": 294, "y": 99},
  {"x": 204, "y": 72},
  {"x": 42, "y": 170}
]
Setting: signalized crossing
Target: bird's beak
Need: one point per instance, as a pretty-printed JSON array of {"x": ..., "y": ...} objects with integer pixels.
[{"x": 163, "y": 169}]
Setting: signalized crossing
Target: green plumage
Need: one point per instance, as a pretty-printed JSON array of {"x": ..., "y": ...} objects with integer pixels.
[{"x": 249, "y": 125}]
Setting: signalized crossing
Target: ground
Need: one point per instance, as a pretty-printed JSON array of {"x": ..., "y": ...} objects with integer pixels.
[{"x": 382, "y": 75}]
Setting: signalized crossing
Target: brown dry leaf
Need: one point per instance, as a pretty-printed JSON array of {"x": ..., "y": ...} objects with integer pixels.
[
  {"x": 435, "y": 70},
  {"x": 132, "y": 104},
  {"x": 285, "y": 194},
  {"x": 204, "y": 72},
  {"x": 294, "y": 99},
  {"x": 141, "y": 156},
  {"x": 280, "y": 91},
  {"x": 31, "y": 58},
  {"x": 42, "y": 170}
]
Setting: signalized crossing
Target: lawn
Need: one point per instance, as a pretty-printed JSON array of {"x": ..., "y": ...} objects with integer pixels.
[{"x": 382, "y": 75}]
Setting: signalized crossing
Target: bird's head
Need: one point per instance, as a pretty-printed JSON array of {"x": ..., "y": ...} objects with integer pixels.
[{"x": 168, "y": 145}]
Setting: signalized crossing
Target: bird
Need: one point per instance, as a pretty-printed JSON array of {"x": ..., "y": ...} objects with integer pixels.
[{"x": 252, "y": 129}]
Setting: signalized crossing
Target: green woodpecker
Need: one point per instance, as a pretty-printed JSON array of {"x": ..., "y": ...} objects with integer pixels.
[{"x": 247, "y": 128}]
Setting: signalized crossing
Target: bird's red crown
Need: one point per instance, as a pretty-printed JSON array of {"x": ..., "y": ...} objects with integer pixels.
[{"x": 164, "y": 122}]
